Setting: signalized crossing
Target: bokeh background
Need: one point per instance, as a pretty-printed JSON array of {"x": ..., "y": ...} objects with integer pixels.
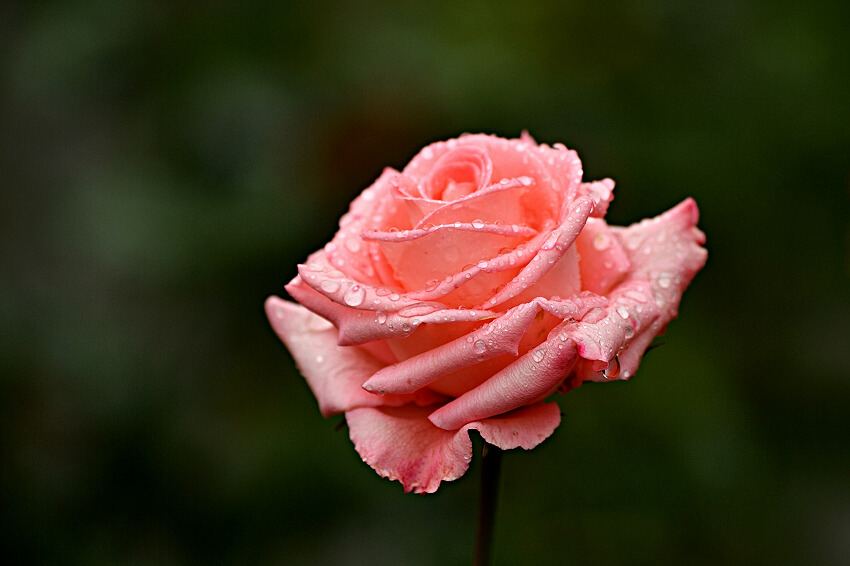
[{"x": 165, "y": 165}]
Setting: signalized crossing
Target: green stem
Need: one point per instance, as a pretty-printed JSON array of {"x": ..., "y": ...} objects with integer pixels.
[{"x": 491, "y": 463}]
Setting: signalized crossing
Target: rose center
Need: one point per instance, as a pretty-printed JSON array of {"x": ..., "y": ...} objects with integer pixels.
[{"x": 457, "y": 174}]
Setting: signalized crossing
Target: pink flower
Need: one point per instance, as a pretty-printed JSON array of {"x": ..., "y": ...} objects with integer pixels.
[{"x": 462, "y": 292}]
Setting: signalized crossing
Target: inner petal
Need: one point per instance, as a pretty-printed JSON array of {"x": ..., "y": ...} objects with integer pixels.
[{"x": 458, "y": 173}]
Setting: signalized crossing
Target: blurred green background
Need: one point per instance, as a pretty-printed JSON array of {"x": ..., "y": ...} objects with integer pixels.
[{"x": 166, "y": 165}]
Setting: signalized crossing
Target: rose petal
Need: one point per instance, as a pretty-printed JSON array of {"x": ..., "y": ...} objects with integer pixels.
[
  {"x": 601, "y": 193},
  {"x": 401, "y": 443},
  {"x": 666, "y": 250},
  {"x": 607, "y": 332},
  {"x": 497, "y": 338},
  {"x": 531, "y": 378},
  {"x": 497, "y": 203},
  {"x": 335, "y": 374},
  {"x": 461, "y": 171},
  {"x": 347, "y": 251},
  {"x": 418, "y": 256},
  {"x": 553, "y": 249},
  {"x": 359, "y": 326},
  {"x": 603, "y": 261}
]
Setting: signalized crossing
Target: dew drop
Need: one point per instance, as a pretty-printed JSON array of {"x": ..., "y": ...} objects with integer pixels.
[
  {"x": 629, "y": 331},
  {"x": 477, "y": 223},
  {"x": 394, "y": 297},
  {"x": 479, "y": 347},
  {"x": 382, "y": 291},
  {"x": 405, "y": 326},
  {"x": 432, "y": 284},
  {"x": 613, "y": 369},
  {"x": 319, "y": 359},
  {"x": 601, "y": 241},
  {"x": 526, "y": 181},
  {"x": 329, "y": 286},
  {"x": 664, "y": 280},
  {"x": 538, "y": 355},
  {"x": 380, "y": 317},
  {"x": 482, "y": 264},
  {"x": 623, "y": 312},
  {"x": 354, "y": 296},
  {"x": 352, "y": 245}
]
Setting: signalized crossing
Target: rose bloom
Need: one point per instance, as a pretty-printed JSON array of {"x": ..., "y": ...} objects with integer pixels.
[{"x": 462, "y": 292}]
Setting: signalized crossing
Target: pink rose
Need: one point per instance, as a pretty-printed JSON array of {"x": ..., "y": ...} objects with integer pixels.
[{"x": 465, "y": 290}]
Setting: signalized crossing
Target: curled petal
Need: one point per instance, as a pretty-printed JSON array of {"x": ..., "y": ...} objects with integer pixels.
[
  {"x": 605, "y": 333},
  {"x": 531, "y": 378},
  {"x": 335, "y": 374},
  {"x": 358, "y": 326},
  {"x": 499, "y": 337},
  {"x": 401, "y": 443},
  {"x": 553, "y": 249},
  {"x": 463, "y": 170},
  {"x": 666, "y": 250},
  {"x": 501, "y": 202},
  {"x": 601, "y": 193}
]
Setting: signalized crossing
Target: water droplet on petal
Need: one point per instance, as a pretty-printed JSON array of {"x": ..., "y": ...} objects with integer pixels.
[
  {"x": 601, "y": 241},
  {"x": 613, "y": 369},
  {"x": 477, "y": 223},
  {"x": 380, "y": 317},
  {"x": 394, "y": 297},
  {"x": 538, "y": 355},
  {"x": 479, "y": 347},
  {"x": 354, "y": 296},
  {"x": 623, "y": 311},
  {"x": 382, "y": 291},
  {"x": 329, "y": 286},
  {"x": 432, "y": 284},
  {"x": 352, "y": 245},
  {"x": 664, "y": 280},
  {"x": 629, "y": 331}
]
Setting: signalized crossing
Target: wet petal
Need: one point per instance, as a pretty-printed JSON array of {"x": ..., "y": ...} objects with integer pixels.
[
  {"x": 461, "y": 171},
  {"x": 335, "y": 374},
  {"x": 531, "y": 378},
  {"x": 553, "y": 249},
  {"x": 401, "y": 443},
  {"x": 359, "y": 326},
  {"x": 498, "y": 337},
  {"x": 603, "y": 261}
]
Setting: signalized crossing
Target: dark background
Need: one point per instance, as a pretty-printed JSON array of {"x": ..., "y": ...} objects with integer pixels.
[{"x": 164, "y": 166}]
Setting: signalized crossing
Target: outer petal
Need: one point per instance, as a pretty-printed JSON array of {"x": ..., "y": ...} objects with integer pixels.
[
  {"x": 531, "y": 378},
  {"x": 497, "y": 338},
  {"x": 358, "y": 326},
  {"x": 665, "y": 254},
  {"x": 401, "y": 444},
  {"x": 335, "y": 374},
  {"x": 666, "y": 251},
  {"x": 603, "y": 261}
]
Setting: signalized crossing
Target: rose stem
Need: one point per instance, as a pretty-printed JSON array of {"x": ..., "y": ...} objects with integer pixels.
[{"x": 491, "y": 463}]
